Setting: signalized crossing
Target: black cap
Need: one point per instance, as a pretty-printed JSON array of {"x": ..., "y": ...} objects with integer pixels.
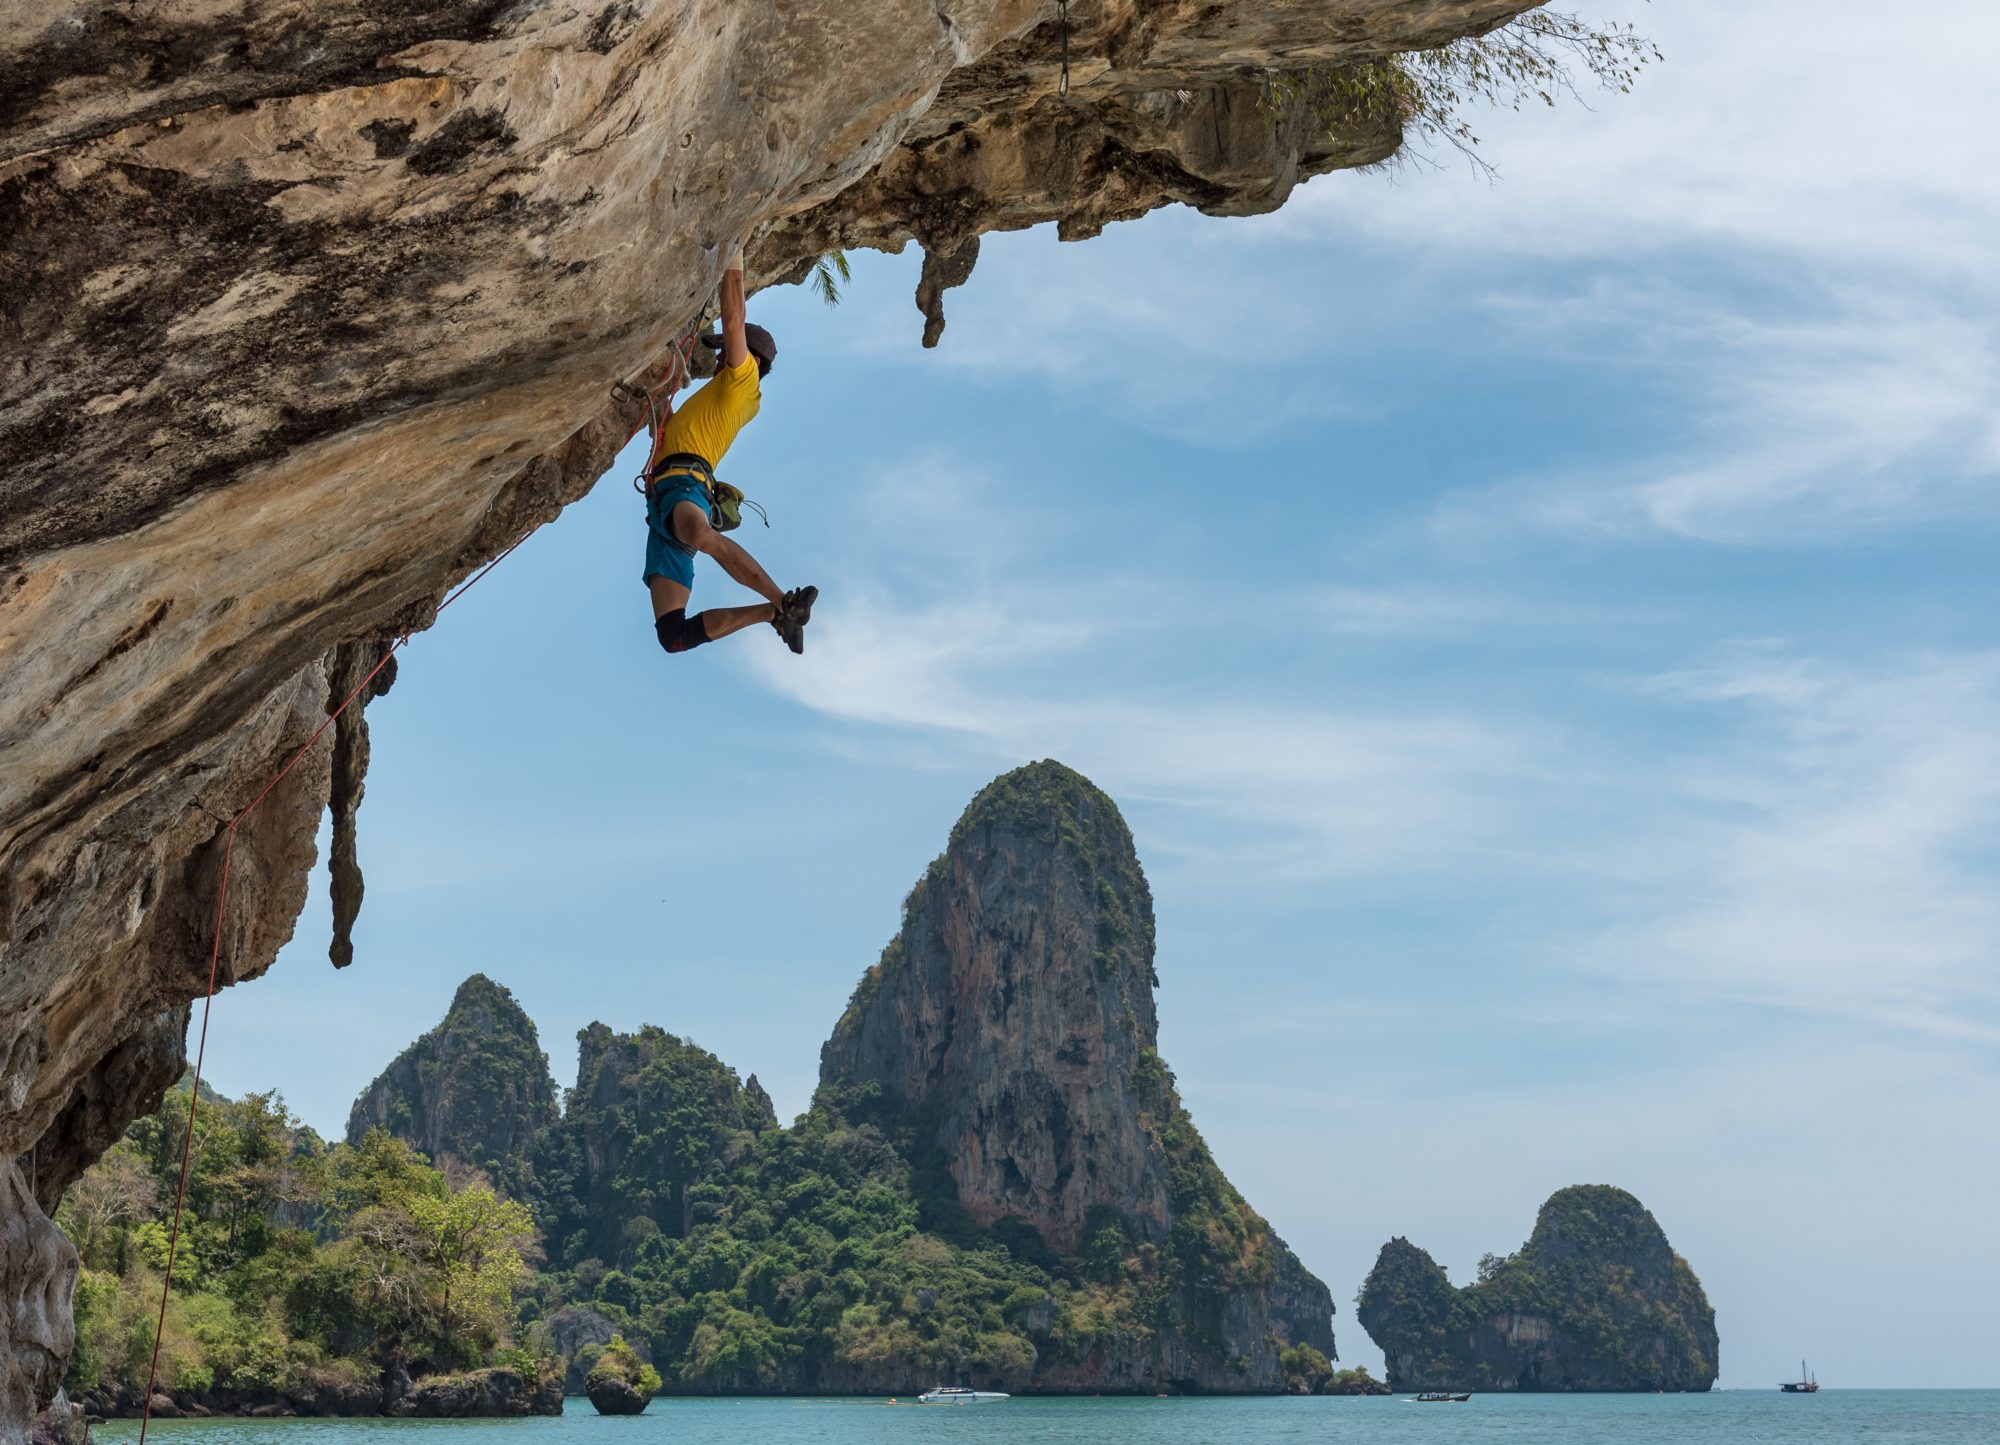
[{"x": 755, "y": 337}]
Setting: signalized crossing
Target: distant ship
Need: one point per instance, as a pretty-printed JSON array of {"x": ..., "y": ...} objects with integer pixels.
[
  {"x": 1804, "y": 1385},
  {"x": 1439, "y": 1397},
  {"x": 957, "y": 1395}
]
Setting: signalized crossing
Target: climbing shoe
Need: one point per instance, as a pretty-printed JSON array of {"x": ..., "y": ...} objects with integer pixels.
[{"x": 793, "y": 615}]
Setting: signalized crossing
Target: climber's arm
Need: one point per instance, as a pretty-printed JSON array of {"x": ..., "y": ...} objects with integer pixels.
[{"x": 734, "y": 348}]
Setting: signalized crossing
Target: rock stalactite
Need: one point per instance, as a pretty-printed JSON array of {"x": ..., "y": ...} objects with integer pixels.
[
  {"x": 311, "y": 308},
  {"x": 359, "y": 671},
  {"x": 941, "y": 272},
  {"x": 37, "y": 1279}
]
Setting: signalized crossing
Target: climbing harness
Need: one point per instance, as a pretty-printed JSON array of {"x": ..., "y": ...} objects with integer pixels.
[
  {"x": 729, "y": 501},
  {"x": 682, "y": 355},
  {"x": 215, "y": 958}
]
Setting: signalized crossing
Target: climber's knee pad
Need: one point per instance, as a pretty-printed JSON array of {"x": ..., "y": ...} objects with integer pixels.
[{"x": 679, "y": 632}]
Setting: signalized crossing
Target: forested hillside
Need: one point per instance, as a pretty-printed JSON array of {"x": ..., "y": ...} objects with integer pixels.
[
  {"x": 1021, "y": 1203},
  {"x": 307, "y": 1278}
]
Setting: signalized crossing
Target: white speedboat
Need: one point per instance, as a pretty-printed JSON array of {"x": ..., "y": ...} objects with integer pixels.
[{"x": 957, "y": 1395}]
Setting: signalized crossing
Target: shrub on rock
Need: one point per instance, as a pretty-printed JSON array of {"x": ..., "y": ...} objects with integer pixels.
[{"x": 620, "y": 1383}]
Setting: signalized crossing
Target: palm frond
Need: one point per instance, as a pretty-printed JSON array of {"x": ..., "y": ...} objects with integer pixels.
[{"x": 829, "y": 273}]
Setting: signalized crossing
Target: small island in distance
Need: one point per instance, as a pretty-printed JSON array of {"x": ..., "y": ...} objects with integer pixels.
[{"x": 1596, "y": 1300}]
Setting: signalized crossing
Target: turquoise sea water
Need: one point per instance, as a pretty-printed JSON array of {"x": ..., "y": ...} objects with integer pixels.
[{"x": 1876, "y": 1417}]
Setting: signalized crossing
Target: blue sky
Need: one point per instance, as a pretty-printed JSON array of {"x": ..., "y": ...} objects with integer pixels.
[{"x": 1541, "y": 634}]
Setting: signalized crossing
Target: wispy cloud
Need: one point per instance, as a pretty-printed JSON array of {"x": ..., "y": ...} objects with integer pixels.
[
  {"x": 1840, "y": 858},
  {"x": 957, "y": 633},
  {"x": 1320, "y": 790},
  {"x": 1823, "y": 852},
  {"x": 1838, "y": 357},
  {"x": 1792, "y": 260},
  {"x": 1878, "y": 413},
  {"x": 1786, "y": 129}
]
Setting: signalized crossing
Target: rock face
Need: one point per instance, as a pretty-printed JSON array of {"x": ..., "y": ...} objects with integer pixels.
[
  {"x": 615, "y": 1397},
  {"x": 1009, "y": 1029},
  {"x": 475, "y": 1089},
  {"x": 1013, "y": 1016},
  {"x": 571, "y": 1332},
  {"x": 481, "y": 1393},
  {"x": 38, "y": 1270},
  {"x": 1596, "y": 1300},
  {"x": 61, "y": 1424},
  {"x": 650, "y": 1116},
  {"x": 312, "y": 309},
  {"x": 324, "y": 1394}
]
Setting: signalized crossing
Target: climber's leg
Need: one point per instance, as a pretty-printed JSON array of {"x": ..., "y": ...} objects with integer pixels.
[
  {"x": 677, "y": 529},
  {"x": 679, "y": 632},
  {"x": 721, "y": 621},
  {"x": 687, "y": 531},
  {"x": 693, "y": 531},
  {"x": 669, "y": 573}
]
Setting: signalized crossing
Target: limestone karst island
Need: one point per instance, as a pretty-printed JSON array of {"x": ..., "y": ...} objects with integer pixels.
[
  {"x": 1595, "y": 1300},
  {"x": 313, "y": 314}
]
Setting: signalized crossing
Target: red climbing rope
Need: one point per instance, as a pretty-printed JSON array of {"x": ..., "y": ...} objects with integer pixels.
[{"x": 215, "y": 958}]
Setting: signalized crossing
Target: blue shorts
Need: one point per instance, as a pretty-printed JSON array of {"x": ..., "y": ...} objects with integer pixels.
[{"x": 666, "y": 555}]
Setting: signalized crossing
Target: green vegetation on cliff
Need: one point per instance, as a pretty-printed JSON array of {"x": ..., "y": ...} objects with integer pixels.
[
  {"x": 831, "y": 1255},
  {"x": 1428, "y": 95},
  {"x": 302, "y": 1270},
  {"x": 475, "y": 1089},
  {"x": 650, "y": 1116},
  {"x": 823, "y": 1257},
  {"x": 619, "y": 1361},
  {"x": 1022, "y": 1205},
  {"x": 1595, "y": 1300}
]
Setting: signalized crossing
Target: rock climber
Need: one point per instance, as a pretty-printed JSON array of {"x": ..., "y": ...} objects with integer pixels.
[{"x": 681, "y": 493}]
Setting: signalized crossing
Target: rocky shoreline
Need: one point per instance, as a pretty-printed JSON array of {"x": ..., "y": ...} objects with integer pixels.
[{"x": 498, "y": 1392}]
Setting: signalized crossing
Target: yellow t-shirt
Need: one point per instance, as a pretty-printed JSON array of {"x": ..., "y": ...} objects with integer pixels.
[{"x": 707, "y": 422}]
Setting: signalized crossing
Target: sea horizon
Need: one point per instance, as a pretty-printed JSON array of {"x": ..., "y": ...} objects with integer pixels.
[{"x": 1898, "y": 1416}]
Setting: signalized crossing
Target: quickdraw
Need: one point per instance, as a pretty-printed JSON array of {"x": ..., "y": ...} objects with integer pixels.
[
  {"x": 659, "y": 408},
  {"x": 659, "y": 399}
]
